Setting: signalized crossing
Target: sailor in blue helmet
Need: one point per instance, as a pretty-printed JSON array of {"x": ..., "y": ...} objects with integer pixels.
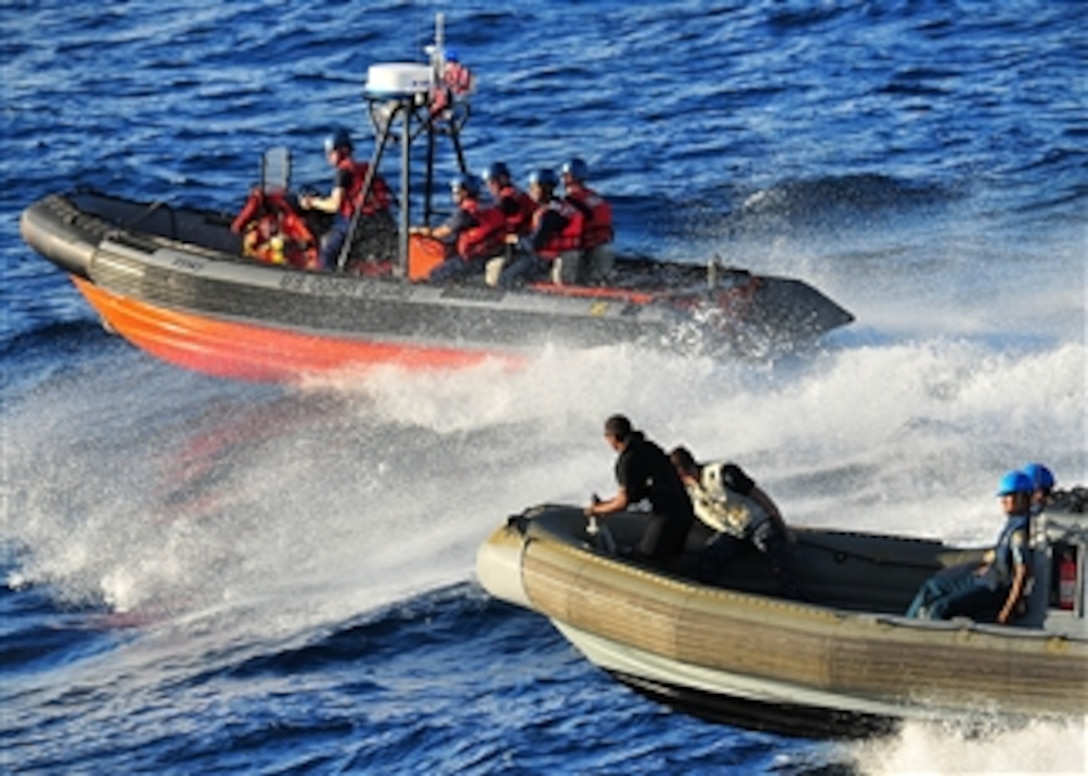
[
  {"x": 598, "y": 232},
  {"x": 975, "y": 589},
  {"x": 456, "y": 82},
  {"x": 346, "y": 196},
  {"x": 1042, "y": 480},
  {"x": 515, "y": 204},
  {"x": 472, "y": 234},
  {"x": 555, "y": 231}
]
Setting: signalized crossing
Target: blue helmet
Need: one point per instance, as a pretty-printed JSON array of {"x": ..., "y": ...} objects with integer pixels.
[
  {"x": 339, "y": 139},
  {"x": 1015, "y": 482},
  {"x": 576, "y": 168},
  {"x": 545, "y": 176},
  {"x": 468, "y": 183},
  {"x": 1041, "y": 477},
  {"x": 449, "y": 53},
  {"x": 495, "y": 170}
]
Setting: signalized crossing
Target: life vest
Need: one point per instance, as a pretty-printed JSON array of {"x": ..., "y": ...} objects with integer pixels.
[
  {"x": 458, "y": 78},
  {"x": 379, "y": 198},
  {"x": 567, "y": 239},
  {"x": 521, "y": 222},
  {"x": 457, "y": 81},
  {"x": 273, "y": 232},
  {"x": 486, "y": 238},
  {"x": 999, "y": 573},
  {"x": 598, "y": 227},
  {"x": 722, "y": 508}
]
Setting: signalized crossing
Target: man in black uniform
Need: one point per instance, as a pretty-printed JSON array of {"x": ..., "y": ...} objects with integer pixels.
[{"x": 643, "y": 471}]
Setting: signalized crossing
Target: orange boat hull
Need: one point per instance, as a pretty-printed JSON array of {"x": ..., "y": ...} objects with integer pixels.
[{"x": 244, "y": 351}]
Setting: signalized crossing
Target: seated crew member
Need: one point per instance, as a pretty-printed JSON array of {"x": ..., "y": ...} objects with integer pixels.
[
  {"x": 642, "y": 472},
  {"x": 556, "y": 228},
  {"x": 999, "y": 579},
  {"x": 457, "y": 82},
  {"x": 471, "y": 235},
  {"x": 1049, "y": 496},
  {"x": 344, "y": 198},
  {"x": 598, "y": 231},
  {"x": 741, "y": 515},
  {"x": 515, "y": 204}
]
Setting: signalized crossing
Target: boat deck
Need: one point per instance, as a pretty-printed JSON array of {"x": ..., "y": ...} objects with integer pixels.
[{"x": 849, "y": 571}]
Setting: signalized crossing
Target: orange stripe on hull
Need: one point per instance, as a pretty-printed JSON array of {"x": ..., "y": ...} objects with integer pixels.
[{"x": 247, "y": 352}]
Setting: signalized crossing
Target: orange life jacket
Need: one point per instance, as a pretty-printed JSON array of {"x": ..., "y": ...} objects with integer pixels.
[
  {"x": 378, "y": 199},
  {"x": 569, "y": 238},
  {"x": 273, "y": 232},
  {"x": 598, "y": 227},
  {"x": 486, "y": 238}
]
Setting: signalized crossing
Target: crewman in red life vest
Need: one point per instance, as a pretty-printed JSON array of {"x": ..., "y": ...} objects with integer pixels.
[
  {"x": 272, "y": 230},
  {"x": 516, "y": 205},
  {"x": 472, "y": 234},
  {"x": 345, "y": 196},
  {"x": 457, "y": 82},
  {"x": 599, "y": 232},
  {"x": 556, "y": 231}
]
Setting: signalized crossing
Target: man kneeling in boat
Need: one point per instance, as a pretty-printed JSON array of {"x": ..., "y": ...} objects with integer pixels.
[
  {"x": 346, "y": 197},
  {"x": 742, "y": 516},
  {"x": 471, "y": 235},
  {"x": 999, "y": 580},
  {"x": 643, "y": 471}
]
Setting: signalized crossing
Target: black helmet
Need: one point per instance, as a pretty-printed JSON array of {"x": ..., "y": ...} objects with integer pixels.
[
  {"x": 495, "y": 170},
  {"x": 545, "y": 176},
  {"x": 576, "y": 168},
  {"x": 468, "y": 183},
  {"x": 339, "y": 140}
]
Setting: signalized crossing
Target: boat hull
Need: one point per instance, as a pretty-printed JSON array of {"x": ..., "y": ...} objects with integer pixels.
[
  {"x": 845, "y": 665},
  {"x": 247, "y": 351},
  {"x": 173, "y": 283}
]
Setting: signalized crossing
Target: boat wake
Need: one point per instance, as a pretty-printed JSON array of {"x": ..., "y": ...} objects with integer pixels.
[
  {"x": 201, "y": 491},
  {"x": 207, "y": 525},
  {"x": 1038, "y": 747}
]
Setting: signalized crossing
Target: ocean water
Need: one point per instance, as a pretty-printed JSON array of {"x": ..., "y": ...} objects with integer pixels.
[{"x": 202, "y": 576}]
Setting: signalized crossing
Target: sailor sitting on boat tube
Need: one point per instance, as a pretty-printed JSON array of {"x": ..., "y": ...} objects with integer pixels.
[
  {"x": 471, "y": 235},
  {"x": 741, "y": 515},
  {"x": 998, "y": 581},
  {"x": 345, "y": 196},
  {"x": 555, "y": 235}
]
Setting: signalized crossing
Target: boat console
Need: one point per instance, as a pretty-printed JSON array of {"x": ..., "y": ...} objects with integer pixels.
[{"x": 1059, "y": 598}]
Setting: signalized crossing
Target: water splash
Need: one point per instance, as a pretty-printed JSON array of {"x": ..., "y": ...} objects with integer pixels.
[{"x": 1038, "y": 747}]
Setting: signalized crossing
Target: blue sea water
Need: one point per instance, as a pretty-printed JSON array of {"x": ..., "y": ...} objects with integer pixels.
[{"x": 202, "y": 576}]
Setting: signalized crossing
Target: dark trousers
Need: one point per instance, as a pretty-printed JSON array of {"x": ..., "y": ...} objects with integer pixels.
[
  {"x": 333, "y": 242},
  {"x": 525, "y": 268},
  {"x": 664, "y": 537},
  {"x": 455, "y": 267},
  {"x": 765, "y": 538},
  {"x": 954, "y": 592}
]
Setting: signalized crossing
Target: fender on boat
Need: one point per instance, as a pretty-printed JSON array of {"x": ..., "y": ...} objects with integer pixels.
[{"x": 58, "y": 230}]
